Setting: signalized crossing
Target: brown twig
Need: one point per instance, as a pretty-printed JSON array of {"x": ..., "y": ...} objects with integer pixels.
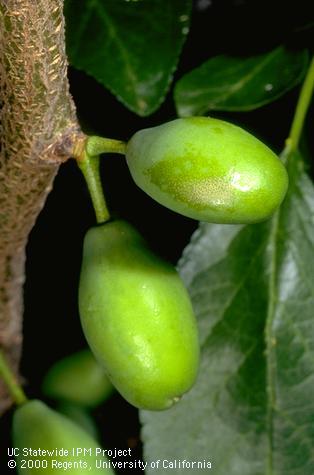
[{"x": 38, "y": 131}]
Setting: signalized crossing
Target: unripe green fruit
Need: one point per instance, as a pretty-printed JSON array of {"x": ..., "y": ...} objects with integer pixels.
[
  {"x": 80, "y": 416},
  {"x": 137, "y": 317},
  {"x": 78, "y": 378},
  {"x": 208, "y": 169},
  {"x": 36, "y": 426}
]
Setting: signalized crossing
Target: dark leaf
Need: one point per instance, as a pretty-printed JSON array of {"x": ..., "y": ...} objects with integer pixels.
[
  {"x": 131, "y": 47},
  {"x": 238, "y": 84}
]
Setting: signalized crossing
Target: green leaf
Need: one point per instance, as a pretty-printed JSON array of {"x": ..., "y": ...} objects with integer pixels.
[
  {"x": 238, "y": 84},
  {"x": 131, "y": 47},
  {"x": 252, "y": 409}
]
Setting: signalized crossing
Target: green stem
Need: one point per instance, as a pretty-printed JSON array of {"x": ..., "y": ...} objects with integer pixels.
[
  {"x": 97, "y": 145},
  {"x": 9, "y": 378},
  {"x": 301, "y": 110},
  {"x": 89, "y": 166}
]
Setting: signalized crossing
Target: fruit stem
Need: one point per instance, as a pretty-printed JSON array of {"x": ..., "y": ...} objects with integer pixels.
[
  {"x": 96, "y": 145},
  {"x": 9, "y": 378},
  {"x": 301, "y": 109},
  {"x": 89, "y": 166}
]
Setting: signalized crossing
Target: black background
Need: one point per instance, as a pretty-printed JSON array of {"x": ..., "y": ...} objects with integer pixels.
[{"x": 51, "y": 326}]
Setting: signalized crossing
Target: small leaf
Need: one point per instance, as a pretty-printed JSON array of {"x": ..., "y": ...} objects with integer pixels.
[
  {"x": 252, "y": 409},
  {"x": 131, "y": 47},
  {"x": 237, "y": 84}
]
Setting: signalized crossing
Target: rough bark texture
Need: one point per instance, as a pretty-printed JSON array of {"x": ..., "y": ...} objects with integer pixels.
[{"x": 38, "y": 127}]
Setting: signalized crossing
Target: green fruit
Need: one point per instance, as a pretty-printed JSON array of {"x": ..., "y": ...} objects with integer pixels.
[
  {"x": 78, "y": 378},
  {"x": 137, "y": 317},
  {"x": 37, "y": 427},
  {"x": 208, "y": 169},
  {"x": 80, "y": 416}
]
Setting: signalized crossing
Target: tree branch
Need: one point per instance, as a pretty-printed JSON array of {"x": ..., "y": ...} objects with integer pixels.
[{"x": 38, "y": 131}]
